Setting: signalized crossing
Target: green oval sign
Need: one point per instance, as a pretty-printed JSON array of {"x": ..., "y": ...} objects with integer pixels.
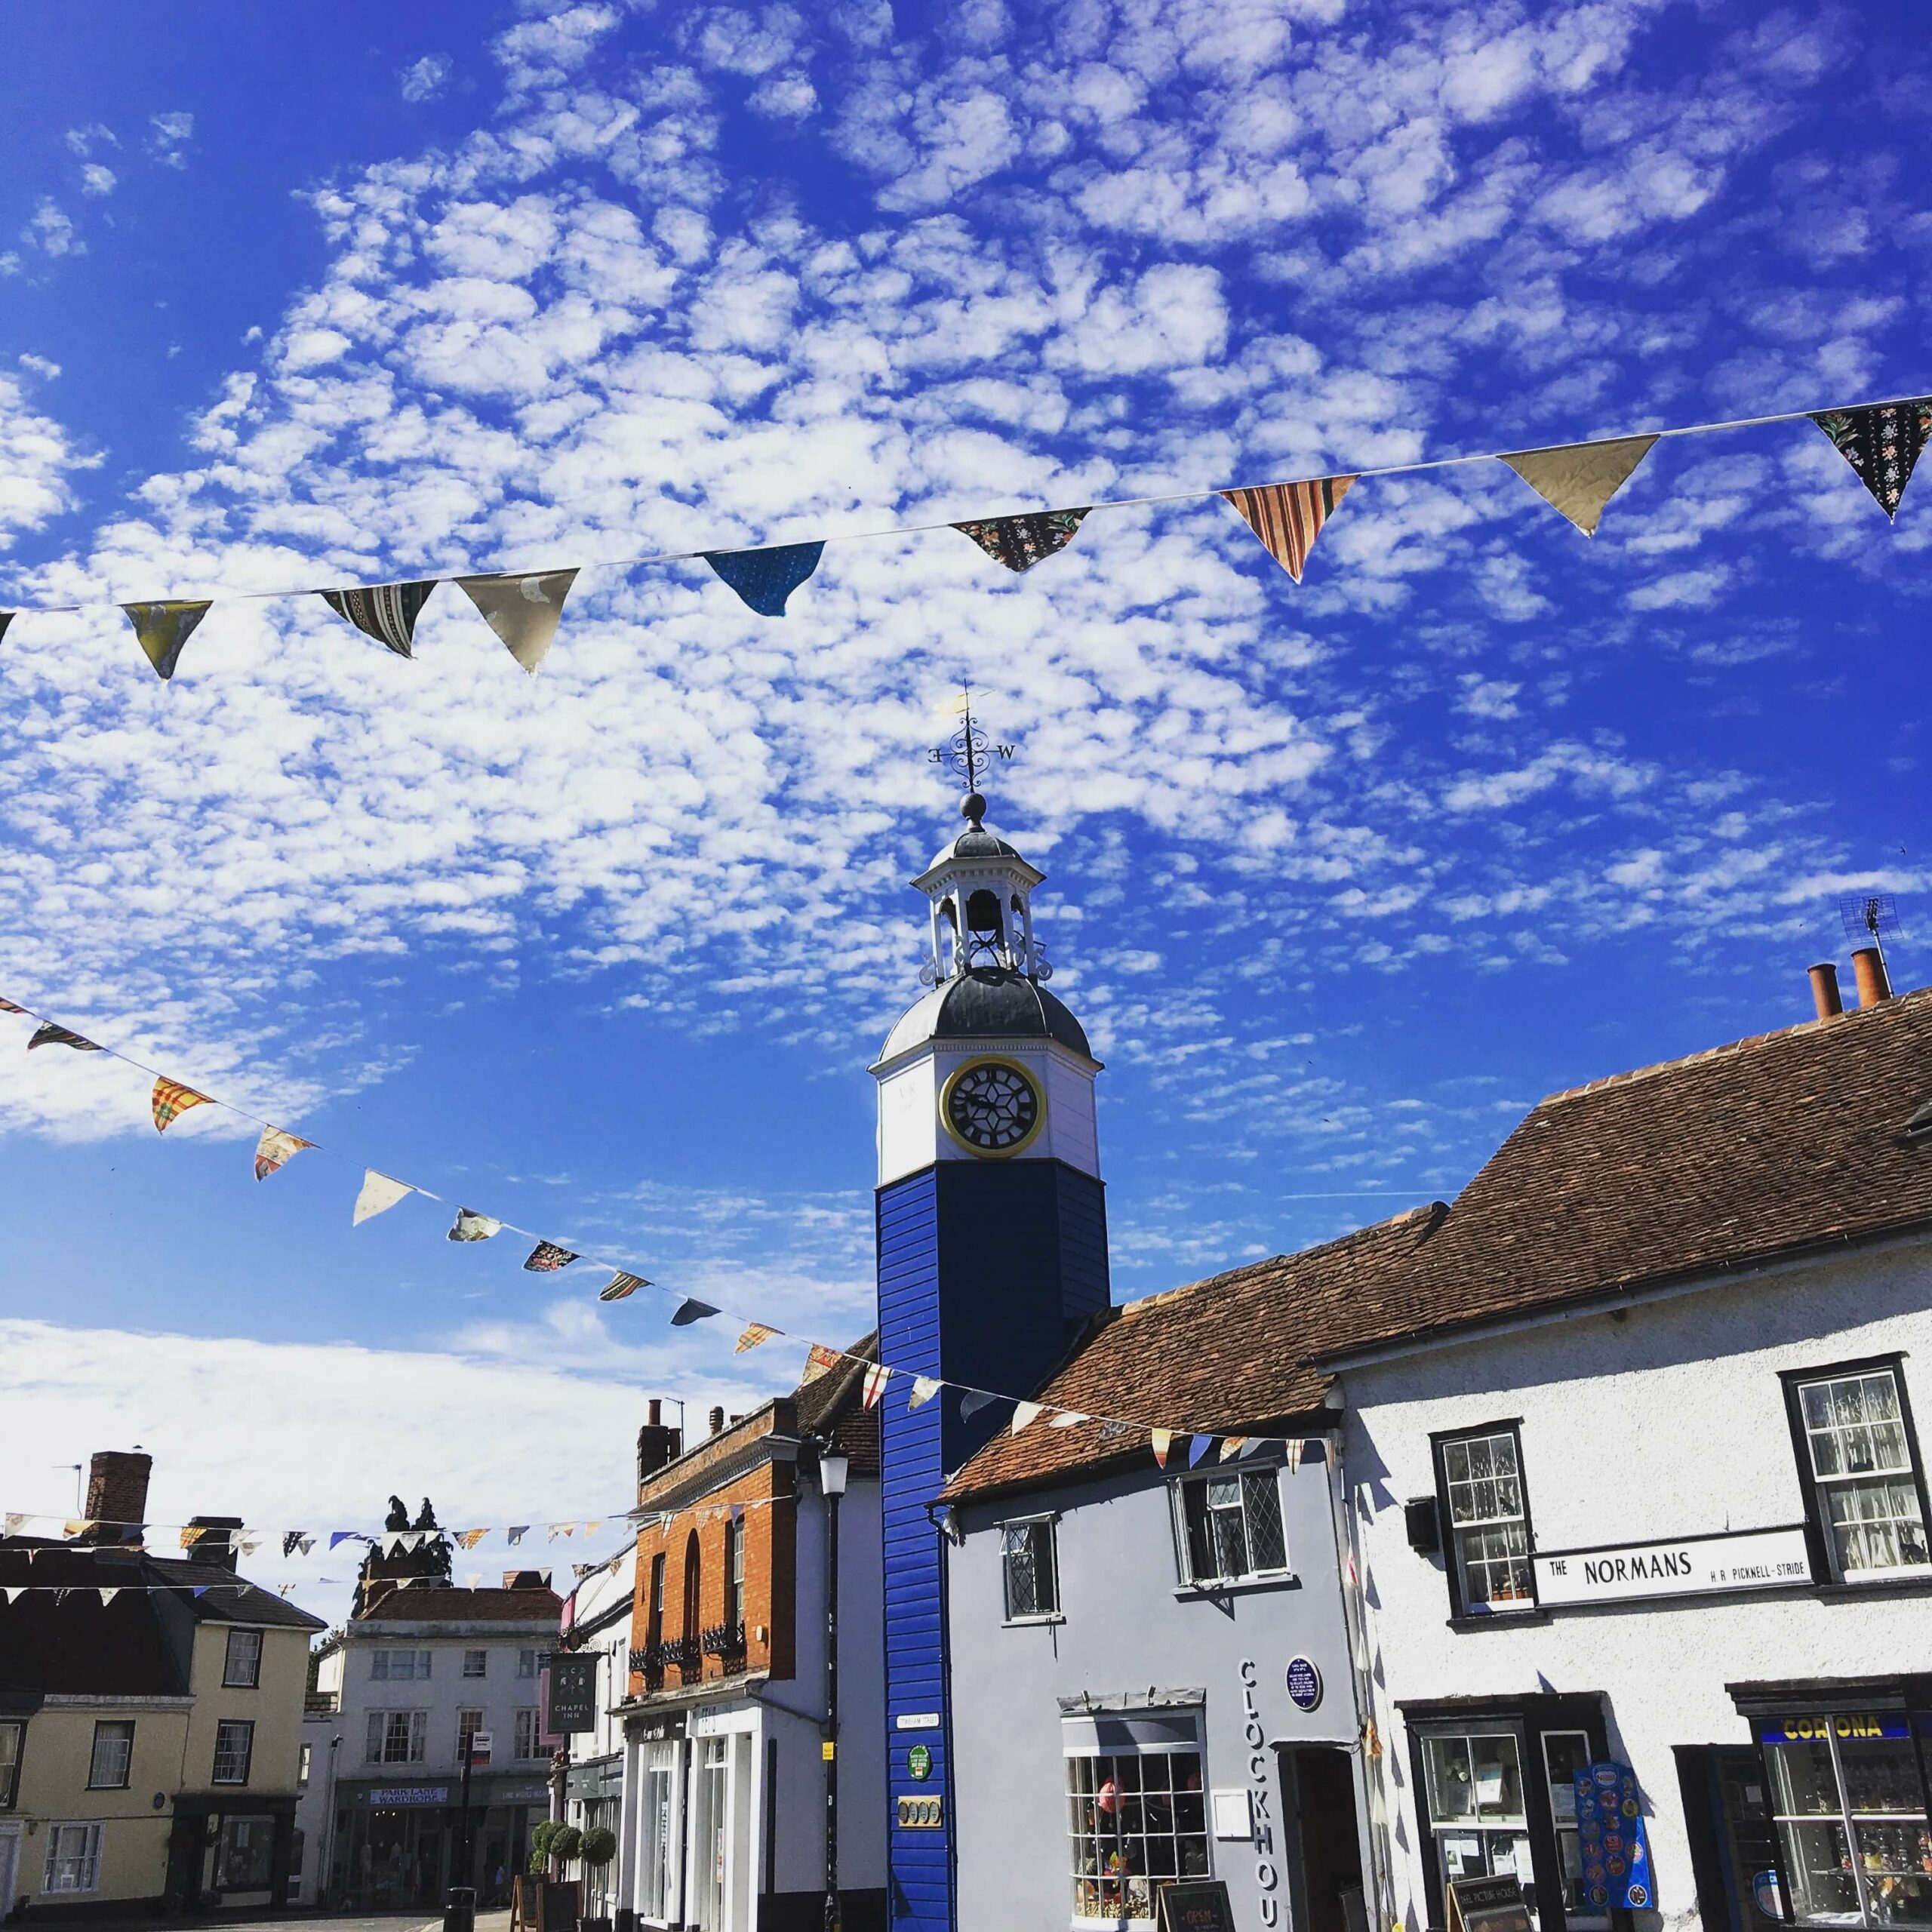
[{"x": 919, "y": 1762}]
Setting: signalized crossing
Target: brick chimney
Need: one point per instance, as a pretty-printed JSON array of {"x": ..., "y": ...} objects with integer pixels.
[
  {"x": 220, "y": 1548},
  {"x": 117, "y": 1489},
  {"x": 1868, "y": 966},
  {"x": 1825, "y": 995},
  {"x": 656, "y": 1444}
]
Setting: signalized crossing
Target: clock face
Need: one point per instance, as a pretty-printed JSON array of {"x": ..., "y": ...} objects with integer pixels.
[{"x": 992, "y": 1107}]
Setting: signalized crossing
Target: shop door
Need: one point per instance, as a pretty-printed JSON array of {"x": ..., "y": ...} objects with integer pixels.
[
  {"x": 1733, "y": 1843},
  {"x": 712, "y": 1838},
  {"x": 1323, "y": 1833}
]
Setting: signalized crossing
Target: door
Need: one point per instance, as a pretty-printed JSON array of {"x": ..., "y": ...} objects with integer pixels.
[
  {"x": 713, "y": 1836},
  {"x": 1323, "y": 1833},
  {"x": 10, "y": 1868}
]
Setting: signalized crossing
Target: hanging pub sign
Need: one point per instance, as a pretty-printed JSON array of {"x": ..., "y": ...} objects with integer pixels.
[
  {"x": 573, "y": 1692},
  {"x": 1196, "y": 1905},
  {"x": 1609, "y": 1838},
  {"x": 1489, "y": 1905}
]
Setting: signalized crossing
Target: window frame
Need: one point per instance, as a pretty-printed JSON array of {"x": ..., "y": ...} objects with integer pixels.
[
  {"x": 247, "y": 1726},
  {"x": 1056, "y": 1613},
  {"x": 526, "y": 1665},
  {"x": 463, "y": 1730},
  {"x": 415, "y": 1736},
  {"x": 1186, "y": 1583},
  {"x": 93, "y": 1841},
  {"x": 482, "y": 1659},
  {"x": 253, "y": 1680},
  {"x": 106, "y": 1730},
  {"x": 1440, "y": 1442},
  {"x": 1097, "y": 1752},
  {"x": 1825, "y": 1569},
  {"x": 10, "y": 1771},
  {"x": 382, "y": 1661},
  {"x": 531, "y": 1733},
  {"x": 732, "y": 1563}
]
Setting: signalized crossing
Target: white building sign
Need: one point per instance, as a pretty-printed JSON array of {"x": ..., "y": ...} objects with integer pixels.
[{"x": 1674, "y": 1567}]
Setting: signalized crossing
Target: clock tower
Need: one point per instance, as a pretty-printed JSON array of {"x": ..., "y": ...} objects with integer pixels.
[{"x": 993, "y": 1251}]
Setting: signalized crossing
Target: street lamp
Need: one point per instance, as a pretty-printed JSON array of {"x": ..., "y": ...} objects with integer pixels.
[{"x": 833, "y": 1467}]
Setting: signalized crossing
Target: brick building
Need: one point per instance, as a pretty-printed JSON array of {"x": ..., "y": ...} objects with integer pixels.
[{"x": 726, "y": 1721}]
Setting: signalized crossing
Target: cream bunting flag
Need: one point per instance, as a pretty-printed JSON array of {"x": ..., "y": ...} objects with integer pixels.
[
  {"x": 1162, "y": 1440},
  {"x": 925, "y": 1388},
  {"x": 171, "y": 1100},
  {"x": 522, "y": 610},
  {"x": 1231, "y": 1446},
  {"x": 472, "y": 1578},
  {"x": 275, "y": 1148},
  {"x": 73, "y": 1528},
  {"x": 755, "y": 1332},
  {"x": 386, "y": 612},
  {"x": 379, "y": 1194},
  {"x": 877, "y": 1376},
  {"x": 470, "y": 1226},
  {"x": 1069, "y": 1419},
  {"x": 14, "y": 1520},
  {"x": 820, "y": 1361},
  {"x": 15, "y": 1592},
  {"x": 1294, "y": 1456},
  {"x": 1288, "y": 517},
  {"x": 163, "y": 629},
  {"x": 107, "y": 1595},
  {"x": 1023, "y": 1412},
  {"x": 1579, "y": 478}
]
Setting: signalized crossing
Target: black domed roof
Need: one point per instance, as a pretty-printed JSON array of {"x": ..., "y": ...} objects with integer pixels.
[
  {"x": 987, "y": 1002},
  {"x": 976, "y": 842}
]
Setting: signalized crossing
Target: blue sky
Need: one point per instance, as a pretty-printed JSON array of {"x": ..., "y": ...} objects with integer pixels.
[{"x": 1343, "y": 877}]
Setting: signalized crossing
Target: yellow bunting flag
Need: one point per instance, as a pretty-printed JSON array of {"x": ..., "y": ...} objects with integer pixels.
[
  {"x": 1231, "y": 1446},
  {"x": 1579, "y": 478},
  {"x": 163, "y": 629},
  {"x": 469, "y": 1539},
  {"x": 755, "y": 1333},
  {"x": 171, "y": 1100},
  {"x": 1162, "y": 1440}
]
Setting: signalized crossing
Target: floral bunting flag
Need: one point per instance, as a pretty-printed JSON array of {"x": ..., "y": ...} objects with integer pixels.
[
  {"x": 1021, "y": 541},
  {"x": 1023, "y": 1412},
  {"x": 1579, "y": 478},
  {"x": 690, "y": 1310},
  {"x": 764, "y": 579},
  {"x": 755, "y": 1332},
  {"x": 378, "y": 1195},
  {"x": 522, "y": 609},
  {"x": 14, "y": 1519},
  {"x": 621, "y": 1287},
  {"x": 877, "y": 1376},
  {"x": 275, "y": 1148},
  {"x": 1288, "y": 517},
  {"x": 546, "y": 1257},
  {"x": 1069, "y": 1419},
  {"x": 386, "y": 612},
  {"x": 1162, "y": 1440},
  {"x": 820, "y": 1361},
  {"x": 925, "y": 1388},
  {"x": 171, "y": 1100},
  {"x": 1881, "y": 443},
  {"x": 48, "y": 1034},
  {"x": 163, "y": 629},
  {"x": 470, "y": 1226}
]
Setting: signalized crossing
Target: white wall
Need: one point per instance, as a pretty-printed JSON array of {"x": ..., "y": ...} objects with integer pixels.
[
  {"x": 910, "y": 1136},
  {"x": 1669, "y": 1423}
]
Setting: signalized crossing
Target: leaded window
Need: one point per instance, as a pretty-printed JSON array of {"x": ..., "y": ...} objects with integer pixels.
[
  {"x": 1865, "y": 1473},
  {"x": 1136, "y": 1821},
  {"x": 1230, "y": 1526},
  {"x": 1032, "y": 1572}
]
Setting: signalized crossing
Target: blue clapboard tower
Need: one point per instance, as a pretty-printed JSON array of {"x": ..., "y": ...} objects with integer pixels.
[{"x": 992, "y": 1249}]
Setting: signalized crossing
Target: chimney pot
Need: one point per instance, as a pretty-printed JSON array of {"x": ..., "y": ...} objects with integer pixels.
[
  {"x": 655, "y": 1414},
  {"x": 718, "y": 1422},
  {"x": 1825, "y": 994},
  {"x": 1868, "y": 966},
  {"x": 117, "y": 1489}
]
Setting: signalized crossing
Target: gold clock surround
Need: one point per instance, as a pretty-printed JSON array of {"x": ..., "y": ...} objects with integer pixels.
[{"x": 1006, "y": 1065}]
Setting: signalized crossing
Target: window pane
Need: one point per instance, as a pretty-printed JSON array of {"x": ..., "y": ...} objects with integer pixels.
[
  {"x": 1803, "y": 1783},
  {"x": 1230, "y": 1553},
  {"x": 1875, "y": 1525},
  {"x": 1194, "y": 1511},
  {"x": 1818, "y": 1858},
  {"x": 1138, "y": 1822},
  {"x": 1451, "y": 1786},
  {"x": 1498, "y": 1778},
  {"x": 1893, "y": 1857},
  {"x": 1879, "y": 1773},
  {"x": 1267, "y": 1545}
]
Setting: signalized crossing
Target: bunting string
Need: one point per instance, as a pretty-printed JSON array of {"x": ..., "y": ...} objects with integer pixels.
[{"x": 1881, "y": 441}]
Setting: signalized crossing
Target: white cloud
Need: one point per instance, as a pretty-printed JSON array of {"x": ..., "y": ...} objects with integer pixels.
[
  {"x": 425, "y": 78},
  {"x": 52, "y": 232},
  {"x": 168, "y": 136},
  {"x": 97, "y": 178}
]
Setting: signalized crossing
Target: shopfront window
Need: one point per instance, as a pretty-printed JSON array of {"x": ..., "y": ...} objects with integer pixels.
[
  {"x": 659, "y": 1832},
  {"x": 1564, "y": 1754},
  {"x": 1137, "y": 1821},
  {"x": 1476, "y": 1814},
  {"x": 246, "y": 1844},
  {"x": 1849, "y": 1803}
]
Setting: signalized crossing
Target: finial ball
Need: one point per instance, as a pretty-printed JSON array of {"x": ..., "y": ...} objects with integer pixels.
[{"x": 973, "y": 807}]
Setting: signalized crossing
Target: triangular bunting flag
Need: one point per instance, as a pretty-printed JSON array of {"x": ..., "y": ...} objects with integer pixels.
[
  {"x": 1069, "y": 1419},
  {"x": 820, "y": 1361},
  {"x": 1162, "y": 1440},
  {"x": 14, "y": 1520},
  {"x": 522, "y": 610},
  {"x": 8, "y": 1005},
  {"x": 581, "y": 1571},
  {"x": 189, "y": 1537},
  {"x": 562, "y": 1530},
  {"x": 340, "y": 1536},
  {"x": 620, "y": 1286},
  {"x": 6, "y": 618},
  {"x": 469, "y": 1225},
  {"x": 877, "y": 1376},
  {"x": 275, "y": 1148},
  {"x": 283, "y": 1590},
  {"x": 1330, "y": 1449},
  {"x": 107, "y": 1595},
  {"x": 475, "y": 1577},
  {"x": 386, "y": 612},
  {"x": 1881, "y": 443},
  {"x": 1579, "y": 478},
  {"x": 925, "y": 1388},
  {"x": 972, "y": 1400},
  {"x": 1294, "y": 1456},
  {"x": 1023, "y": 1412},
  {"x": 469, "y": 1539},
  {"x": 690, "y": 1311},
  {"x": 1288, "y": 517},
  {"x": 48, "y": 1034},
  {"x": 75, "y": 1527},
  {"x": 378, "y": 1195},
  {"x": 290, "y": 1540},
  {"x": 765, "y": 578},
  {"x": 1197, "y": 1450},
  {"x": 1231, "y": 1446},
  {"x": 1021, "y": 541},
  {"x": 516, "y": 1534},
  {"x": 171, "y": 1100},
  {"x": 546, "y": 1257},
  {"x": 200, "y": 1590},
  {"x": 596, "y": 1524},
  {"x": 755, "y": 1332},
  {"x": 163, "y": 629},
  {"x": 16, "y": 1592}
]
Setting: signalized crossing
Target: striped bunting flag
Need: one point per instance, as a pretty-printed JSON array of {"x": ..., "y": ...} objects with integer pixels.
[
  {"x": 621, "y": 1286},
  {"x": 1163, "y": 1441},
  {"x": 386, "y": 612},
  {"x": 1288, "y": 517},
  {"x": 48, "y": 1034},
  {"x": 1882, "y": 445},
  {"x": 877, "y": 1376},
  {"x": 8, "y": 1005},
  {"x": 755, "y": 1333},
  {"x": 171, "y": 1100}
]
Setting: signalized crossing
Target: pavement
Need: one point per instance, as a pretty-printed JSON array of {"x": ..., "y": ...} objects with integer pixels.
[{"x": 325, "y": 1921}]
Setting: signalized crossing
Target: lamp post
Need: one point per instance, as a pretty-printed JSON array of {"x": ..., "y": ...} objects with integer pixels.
[{"x": 832, "y": 1469}]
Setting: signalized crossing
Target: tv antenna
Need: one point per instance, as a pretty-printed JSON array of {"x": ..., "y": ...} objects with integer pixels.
[{"x": 1870, "y": 917}]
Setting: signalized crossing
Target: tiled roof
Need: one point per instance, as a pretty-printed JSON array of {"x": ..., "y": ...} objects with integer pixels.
[
  {"x": 449, "y": 1605},
  {"x": 835, "y": 1400},
  {"x": 1739, "y": 1155},
  {"x": 1218, "y": 1358}
]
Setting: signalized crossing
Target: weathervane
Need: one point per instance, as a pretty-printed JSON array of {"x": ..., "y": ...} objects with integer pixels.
[{"x": 970, "y": 753}]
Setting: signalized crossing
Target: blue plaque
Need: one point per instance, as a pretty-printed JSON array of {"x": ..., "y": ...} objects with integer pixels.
[{"x": 1304, "y": 1684}]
